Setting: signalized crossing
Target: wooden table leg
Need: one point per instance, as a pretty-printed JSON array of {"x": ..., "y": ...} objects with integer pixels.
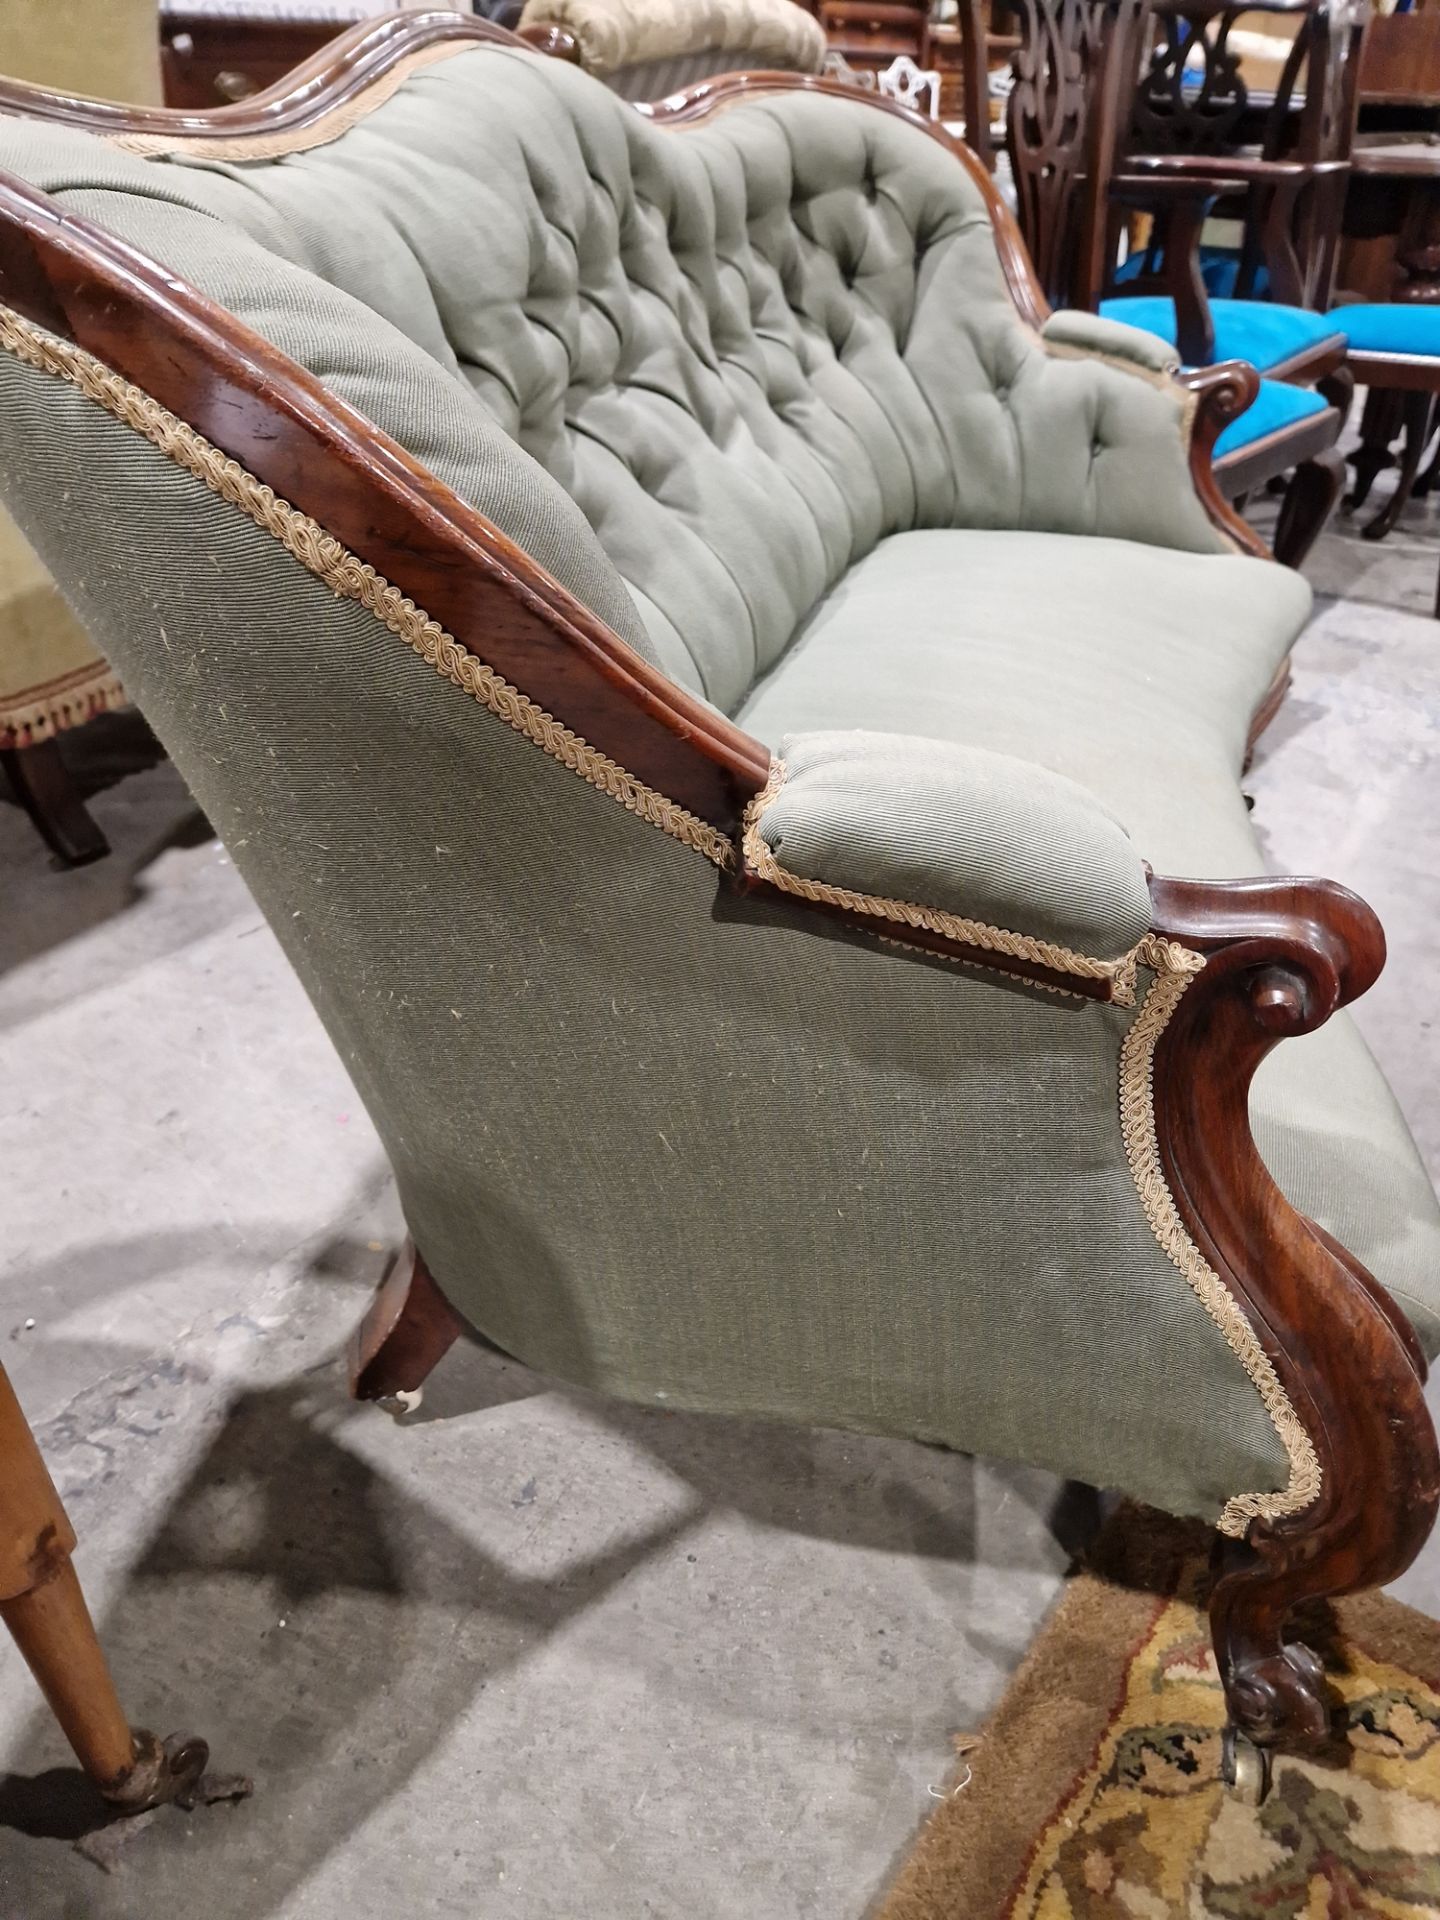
[
  {"x": 45, "y": 1611},
  {"x": 42, "y": 784}
]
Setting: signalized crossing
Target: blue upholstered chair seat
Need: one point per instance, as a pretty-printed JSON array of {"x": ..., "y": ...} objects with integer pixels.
[
  {"x": 1260, "y": 331},
  {"x": 1277, "y": 405},
  {"x": 1391, "y": 327}
]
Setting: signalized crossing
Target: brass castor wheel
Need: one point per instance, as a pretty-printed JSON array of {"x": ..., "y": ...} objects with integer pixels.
[{"x": 1244, "y": 1767}]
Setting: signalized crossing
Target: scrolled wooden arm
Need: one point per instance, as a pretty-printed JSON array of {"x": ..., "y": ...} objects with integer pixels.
[
  {"x": 1221, "y": 394},
  {"x": 1281, "y": 956}
]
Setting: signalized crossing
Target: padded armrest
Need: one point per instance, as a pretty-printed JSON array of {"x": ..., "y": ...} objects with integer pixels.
[
  {"x": 971, "y": 833},
  {"x": 1088, "y": 333}
]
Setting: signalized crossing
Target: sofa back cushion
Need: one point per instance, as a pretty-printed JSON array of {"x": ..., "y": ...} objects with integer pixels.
[{"x": 746, "y": 350}]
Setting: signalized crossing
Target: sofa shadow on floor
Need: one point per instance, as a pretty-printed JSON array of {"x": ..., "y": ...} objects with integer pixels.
[
  {"x": 326, "y": 1630},
  {"x": 291, "y": 1607}
]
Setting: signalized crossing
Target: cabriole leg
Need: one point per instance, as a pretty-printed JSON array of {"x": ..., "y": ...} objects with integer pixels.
[
  {"x": 409, "y": 1329},
  {"x": 1280, "y": 957},
  {"x": 1415, "y": 415},
  {"x": 1309, "y": 501}
]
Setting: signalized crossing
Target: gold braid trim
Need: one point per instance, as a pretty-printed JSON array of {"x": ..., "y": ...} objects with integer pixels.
[
  {"x": 316, "y": 133},
  {"x": 1175, "y": 967},
  {"x": 1119, "y": 974},
  {"x": 354, "y": 579}
]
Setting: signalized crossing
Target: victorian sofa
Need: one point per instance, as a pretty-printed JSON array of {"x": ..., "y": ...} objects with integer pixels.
[{"x": 735, "y": 712}]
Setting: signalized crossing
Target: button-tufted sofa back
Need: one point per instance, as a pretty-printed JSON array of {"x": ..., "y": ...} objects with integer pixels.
[{"x": 746, "y": 349}]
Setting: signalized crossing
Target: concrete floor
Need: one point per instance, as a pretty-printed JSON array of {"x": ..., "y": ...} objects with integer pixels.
[{"x": 529, "y": 1654}]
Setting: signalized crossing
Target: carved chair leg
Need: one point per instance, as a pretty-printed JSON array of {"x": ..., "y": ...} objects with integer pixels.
[
  {"x": 41, "y": 783},
  {"x": 1309, "y": 501},
  {"x": 1426, "y": 484},
  {"x": 1337, "y": 389},
  {"x": 1415, "y": 418},
  {"x": 44, "y": 1609},
  {"x": 408, "y": 1330},
  {"x": 1379, "y": 425}
]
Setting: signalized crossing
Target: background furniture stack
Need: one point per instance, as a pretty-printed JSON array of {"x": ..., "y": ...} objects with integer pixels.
[{"x": 51, "y": 676}]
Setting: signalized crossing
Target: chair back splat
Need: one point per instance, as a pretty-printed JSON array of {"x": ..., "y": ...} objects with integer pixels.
[
  {"x": 1191, "y": 98},
  {"x": 1064, "y": 122}
]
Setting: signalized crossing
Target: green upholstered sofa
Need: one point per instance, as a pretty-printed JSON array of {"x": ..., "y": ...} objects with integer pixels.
[{"x": 702, "y": 672}]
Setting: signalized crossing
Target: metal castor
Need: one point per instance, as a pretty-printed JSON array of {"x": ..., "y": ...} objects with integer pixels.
[{"x": 1244, "y": 1767}]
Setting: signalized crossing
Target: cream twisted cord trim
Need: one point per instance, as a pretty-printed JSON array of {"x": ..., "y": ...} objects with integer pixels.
[
  {"x": 1118, "y": 974},
  {"x": 354, "y": 579},
  {"x": 1174, "y": 968}
]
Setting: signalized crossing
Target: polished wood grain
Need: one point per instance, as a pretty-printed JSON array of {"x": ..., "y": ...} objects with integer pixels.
[
  {"x": 409, "y": 1328},
  {"x": 1281, "y": 957},
  {"x": 338, "y": 72}
]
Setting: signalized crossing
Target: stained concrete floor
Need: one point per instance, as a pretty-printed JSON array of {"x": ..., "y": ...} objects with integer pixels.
[{"x": 529, "y": 1654}]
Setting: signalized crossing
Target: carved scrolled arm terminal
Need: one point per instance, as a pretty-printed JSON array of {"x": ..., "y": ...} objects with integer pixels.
[{"x": 1281, "y": 957}]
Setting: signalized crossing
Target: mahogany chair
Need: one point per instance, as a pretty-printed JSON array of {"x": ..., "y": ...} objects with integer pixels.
[
  {"x": 1296, "y": 153},
  {"x": 1066, "y": 125},
  {"x": 786, "y": 1028},
  {"x": 1192, "y": 115}
]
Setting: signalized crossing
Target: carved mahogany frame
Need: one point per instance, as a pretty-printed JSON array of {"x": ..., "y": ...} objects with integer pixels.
[{"x": 1281, "y": 956}]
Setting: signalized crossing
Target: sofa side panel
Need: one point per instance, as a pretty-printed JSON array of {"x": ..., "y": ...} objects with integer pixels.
[{"x": 669, "y": 1142}]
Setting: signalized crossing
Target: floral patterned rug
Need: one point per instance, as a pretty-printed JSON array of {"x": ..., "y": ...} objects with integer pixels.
[{"x": 1095, "y": 1790}]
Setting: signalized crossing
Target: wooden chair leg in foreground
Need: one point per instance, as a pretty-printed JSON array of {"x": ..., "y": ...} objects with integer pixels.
[
  {"x": 408, "y": 1330},
  {"x": 42, "y": 1605}
]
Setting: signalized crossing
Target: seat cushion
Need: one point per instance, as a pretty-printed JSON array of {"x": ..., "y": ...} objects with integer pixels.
[
  {"x": 1260, "y": 331},
  {"x": 1390, "y": 326},
  {"x": 1135, "y": 672},
  {"x": 1276, "y": 406}
]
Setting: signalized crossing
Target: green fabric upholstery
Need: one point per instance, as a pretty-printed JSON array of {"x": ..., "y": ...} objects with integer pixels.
[
  {"x": 1091, "y": 333},
  {"x": 976, "y": 834},
  {"x": 747, "y": 351},
  {"x": 1143, "y": 697},
  {"x": 693, "y": 1149},
  {"x": 756, "y": 391}
]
